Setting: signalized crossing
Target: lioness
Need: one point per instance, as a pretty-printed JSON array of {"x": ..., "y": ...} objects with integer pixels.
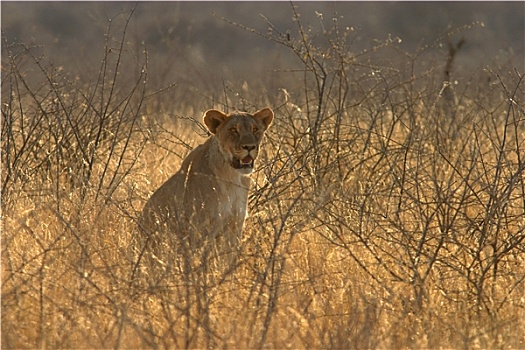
[{"x": 207, "y": 197}]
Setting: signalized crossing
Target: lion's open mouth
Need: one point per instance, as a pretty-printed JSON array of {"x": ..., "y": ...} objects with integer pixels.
[{"x": 246, "y": 162}]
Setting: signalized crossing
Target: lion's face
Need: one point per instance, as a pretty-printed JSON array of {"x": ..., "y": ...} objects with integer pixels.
[{"x": 239, "y": 135}]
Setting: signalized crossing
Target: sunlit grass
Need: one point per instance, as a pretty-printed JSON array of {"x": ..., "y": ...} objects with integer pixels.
[{"x": 383, "y": 214}]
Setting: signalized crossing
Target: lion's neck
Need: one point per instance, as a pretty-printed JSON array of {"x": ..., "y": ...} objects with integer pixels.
[{"x": 221, "y": 166}]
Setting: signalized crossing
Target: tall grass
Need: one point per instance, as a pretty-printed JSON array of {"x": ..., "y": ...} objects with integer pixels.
[{"x": 388, "y": 209}]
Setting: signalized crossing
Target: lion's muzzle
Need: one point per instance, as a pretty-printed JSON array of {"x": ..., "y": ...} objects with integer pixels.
[{"x": 246, "y": 162}]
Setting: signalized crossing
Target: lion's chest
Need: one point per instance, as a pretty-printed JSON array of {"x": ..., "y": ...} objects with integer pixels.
[{"x": 231, "y": 203}]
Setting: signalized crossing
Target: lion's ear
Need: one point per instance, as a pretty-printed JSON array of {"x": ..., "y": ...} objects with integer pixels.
[
  {"x": 266, "y": 116},
  {"x": 213, "y": 118}
]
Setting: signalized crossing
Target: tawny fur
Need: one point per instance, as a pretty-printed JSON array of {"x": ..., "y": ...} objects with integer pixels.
[{"x": 207, "y": 197}]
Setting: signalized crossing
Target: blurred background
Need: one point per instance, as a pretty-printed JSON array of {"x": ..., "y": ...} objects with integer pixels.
[{"x": 192, "y": 42}]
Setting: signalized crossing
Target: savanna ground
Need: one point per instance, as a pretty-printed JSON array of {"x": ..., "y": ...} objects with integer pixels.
[{"x": 387, "y": 211}]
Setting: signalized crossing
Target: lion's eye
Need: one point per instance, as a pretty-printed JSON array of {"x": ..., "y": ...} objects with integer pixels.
[
  {"x": 233, "y": 130},
  {"x": 255, "y": 129}
]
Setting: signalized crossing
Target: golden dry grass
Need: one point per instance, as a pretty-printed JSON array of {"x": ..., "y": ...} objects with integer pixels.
[{"x": 395, "y": 222}]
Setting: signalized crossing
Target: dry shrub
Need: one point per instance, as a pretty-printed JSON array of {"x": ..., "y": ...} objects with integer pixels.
[{"x": 388, "y": 210}]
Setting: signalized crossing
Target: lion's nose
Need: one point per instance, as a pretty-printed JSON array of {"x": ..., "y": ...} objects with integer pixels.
[{"x": 249, "y": 148}]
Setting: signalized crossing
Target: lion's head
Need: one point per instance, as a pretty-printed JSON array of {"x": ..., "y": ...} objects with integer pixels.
[{"x": 239, "y": 135}]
